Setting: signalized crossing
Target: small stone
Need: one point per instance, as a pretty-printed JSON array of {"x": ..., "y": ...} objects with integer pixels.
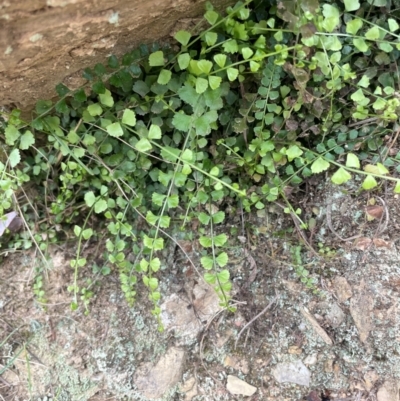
[
  {"x": 361, "y": 307},
  {"x": 239, "y": 387},
  {"x": 293, "y": 372},
  {"x": 389, "y": 391},
  {"x": 335, "y": 315},
  {"x": 295, "y": 350},
  {"x": 343, "y": 289},
  {"x": 311, "y": 359},
  {"x": 189, "y": 388}
]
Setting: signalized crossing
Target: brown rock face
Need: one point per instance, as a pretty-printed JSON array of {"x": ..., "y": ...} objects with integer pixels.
[{"x": 45, "y": 42}]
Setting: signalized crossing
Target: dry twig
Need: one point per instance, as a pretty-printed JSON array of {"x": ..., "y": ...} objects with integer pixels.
[{"x": 255, "y": 318}]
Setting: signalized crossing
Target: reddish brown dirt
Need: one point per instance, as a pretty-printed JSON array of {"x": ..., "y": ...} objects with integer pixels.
[{"x": 45, "y": 42}]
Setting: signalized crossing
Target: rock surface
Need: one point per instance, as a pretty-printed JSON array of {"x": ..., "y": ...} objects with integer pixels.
[
  {"x": 342, "y": 288},
  {"x": 45, "y": 42},
  {"x": 239, "y": 387},
  {"x": 187, "y": 316},
  {"x": 154, "y": 381},
  {"x": 293, "y": 372}
]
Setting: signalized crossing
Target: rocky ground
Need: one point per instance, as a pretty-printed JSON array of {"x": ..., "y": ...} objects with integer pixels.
[{"x": 338, "y": 340}]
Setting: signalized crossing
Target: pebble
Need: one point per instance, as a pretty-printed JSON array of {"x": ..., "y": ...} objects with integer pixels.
[
  {"x": 293, "y": 372},
  {"x": 239, "y": 387}
]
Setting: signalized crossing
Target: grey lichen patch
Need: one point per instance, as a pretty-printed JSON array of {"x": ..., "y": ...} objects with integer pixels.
[
  {"x": 69, "y": 382},
  {"x": 114, "y": 18},
  {"x": 36, "y": 37}
]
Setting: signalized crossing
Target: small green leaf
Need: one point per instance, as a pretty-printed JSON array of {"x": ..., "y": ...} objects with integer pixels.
[
  {"x": 353, "y": 26},
  {"x": 165, "y": 221},
  {"x": 220, "y": 240},
  {"x": 351, "y": 5},
  {"x": 222, "y": 259},
  {"x": 86, "y": 234},
  {"x": 218, "y": 217},
  {"x": 100, "y": 206},
  {"x": 214, "y": 171},
  {"x": 352, "y": 161},
  {"x": 158, "y": 244},
  {"x": 115, "y": 130},
  {"x": 106, "y": 99},
  {"x": 94, "y": 109},
  {"x": 156, "y": 59},
  {"x": 204, "y": 218},
  {"x": 61, "y": 90},
  {"x": 205, "y": 66},
  {"x": 206, "y": 242},
  {"x": 158, "y": 199},
  {"x": 27, "y": 139},
  {"x": 293, "y": 152},
  {"x": 358, "y": 96},
  {"x": 154, "y": 132},
  {"x": 90, "y": 198},
  {"x": 211, "y": 38},
  {"x": 207, "y": 262},
  {"x": 393, "y": 25},
  {"x": 113, "y": 61},
  {"x": 220, "y": 59},
  {"x": 181, "y": 121},
  {"x": 232, "y": 73},
  {"x": 77, "y": 231},
  {"x": 372, "y": 33},
  {"x": 183, "y": 37},
  {"x": 201, "y": 85},
  {"x": 254, "y": 66},
  {"x": 369, "y": 182},
  {"x": 210, "y": 278},
  {"x": 247, "y": 52},
  {"x": 397, "y": 187},
  {"x": 214, "y": 82},
  {"x": 378, "y": 169},
  {"x": 129, "y": 118},
  {"x": 164, "y": 77},
  {"x": 211, "y": 16},
  {"x": 341, "y": 176},
  {"x": 12, "y": 134},
  {"x": 155, "y": 264},
  {"x": 332, "y": 17},
  {"x": 173, "y": 201},
  {"x": 319, "y": 166},
  {"x": 360, "y": 44},
  {"x": 143, "y": 145},
  {"x": 223, "y": 276},
  {"x": 364, "y": 81},
  {"x": 231, "y": 46},
  {"x": 153, "y": 283},
  {"x": 187, "y": 155},
  {"x": 151, "y": 218},
  {"x": 14, "y": 157},
  {"x": 183, "y": 61}
]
